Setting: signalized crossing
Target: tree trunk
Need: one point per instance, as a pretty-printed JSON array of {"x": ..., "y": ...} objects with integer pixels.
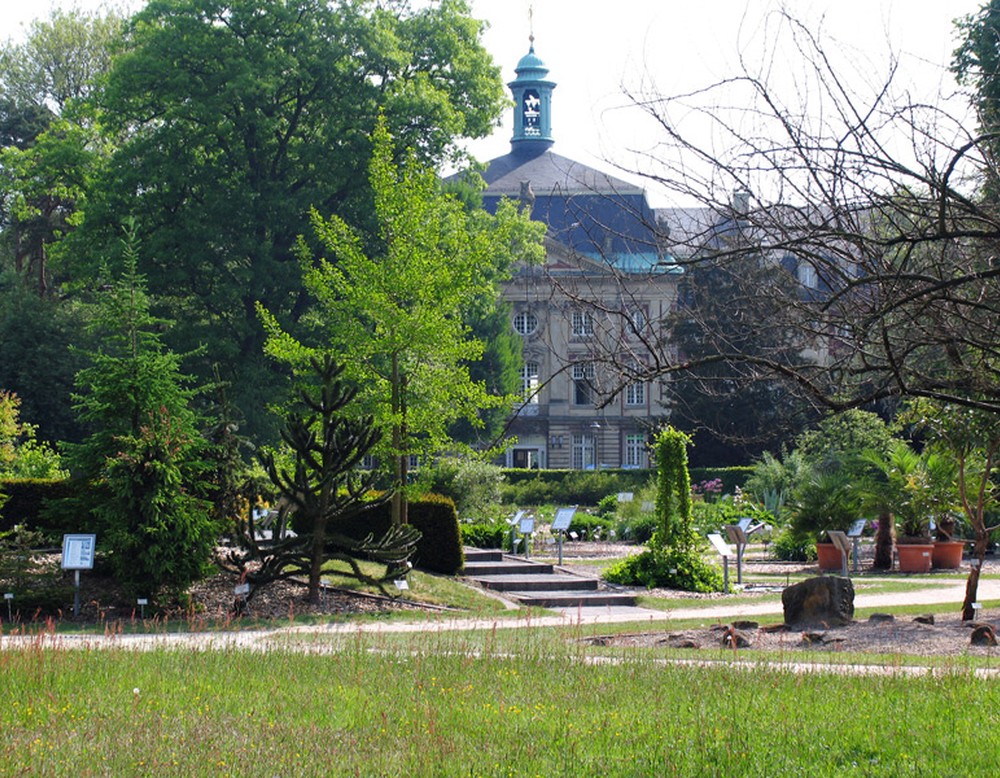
[
  {"x": 972, "y": 582},
  {"x": 316, "y": 562},
  {"x": 883, "y": 542}
]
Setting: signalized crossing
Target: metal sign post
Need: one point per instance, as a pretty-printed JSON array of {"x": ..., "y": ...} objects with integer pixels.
[
  {"x": 78, "y": 554},
  {"x": 514, "y": 521},
  {"x": 724, "y": 551},
  {"x": 560, "y": 525},
  {"x": 841, "y": 541},
  {"x": 854, "y": 533}
]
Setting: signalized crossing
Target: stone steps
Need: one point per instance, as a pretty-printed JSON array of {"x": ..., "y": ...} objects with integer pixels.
[{"x": 537, "y": 584}]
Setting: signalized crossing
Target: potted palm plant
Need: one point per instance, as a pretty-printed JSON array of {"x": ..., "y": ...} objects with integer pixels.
[
  {"x": 918, "y": 487},
  {"x": 824, "y": 501}
]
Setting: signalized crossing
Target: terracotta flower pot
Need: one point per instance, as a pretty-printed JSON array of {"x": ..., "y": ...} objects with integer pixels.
[
  {"x": 947, "y": 554},
  {"x": 828, "y": 556},
  {"x": 914, "y": 557}
]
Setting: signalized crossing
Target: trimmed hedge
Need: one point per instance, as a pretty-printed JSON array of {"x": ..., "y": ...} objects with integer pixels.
[
  {"x": 589, "y": 487},
  {"x": 731, "y": 477},
  {"x": 440, "y": 546}
]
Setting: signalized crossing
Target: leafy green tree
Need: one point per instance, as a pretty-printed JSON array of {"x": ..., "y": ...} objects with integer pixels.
[
  {"x": 499, "y": 370},
  {"x": 42, "y": 339},
  {"x": 143, "y": 454},
  {"x": 48, "y": 147},
  {"x": 396, "y": 314},
  {"x": 231, "y": 118},
  {"x": 971, "y": 438},
  {"x": 323, "y": 487},
  {"x": 976, "y": 63},
  {"x": 21, "y": 455}
]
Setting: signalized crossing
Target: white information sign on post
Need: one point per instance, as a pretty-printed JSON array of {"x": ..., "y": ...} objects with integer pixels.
[
  {"x": 843, "y": 544},
  {"x": 78, "y": 552},
  {"x": 626, "y": 496},
  {"x": 725, "y": 552},
  {"x": 720, "y": 545}
]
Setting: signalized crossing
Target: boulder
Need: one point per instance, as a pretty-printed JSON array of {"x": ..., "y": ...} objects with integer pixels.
[
  {"x": 828, "y": 599},
  {"x": 880, "y": 618}
]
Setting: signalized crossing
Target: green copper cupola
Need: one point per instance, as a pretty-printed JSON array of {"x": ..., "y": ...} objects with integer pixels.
[{"x": 532, "y": 93}]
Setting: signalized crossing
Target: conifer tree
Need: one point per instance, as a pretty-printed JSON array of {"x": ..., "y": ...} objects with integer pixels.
[{"x": 143, "y": 455}]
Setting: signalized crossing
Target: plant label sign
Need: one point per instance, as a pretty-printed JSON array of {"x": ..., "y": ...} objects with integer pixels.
[
  {"x": 720, "y": 545},
  {"x": 564, "y": 517},
  {"x": 857, "y": 528},
  {"x": 527, "y": 526},
  {"x": 517, "y": 518},
  {"x": 626, "y": 496},
  {"x": 402, "y": 584},
  {"x": 241, "y": 590},
  {"x": 78, "y": 552}
]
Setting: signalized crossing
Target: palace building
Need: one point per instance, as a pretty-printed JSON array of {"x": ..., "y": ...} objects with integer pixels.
[{"x": 606, "y": 283}]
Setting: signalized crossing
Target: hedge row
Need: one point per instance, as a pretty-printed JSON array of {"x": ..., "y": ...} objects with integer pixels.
[{"x": 589, "y": 487}]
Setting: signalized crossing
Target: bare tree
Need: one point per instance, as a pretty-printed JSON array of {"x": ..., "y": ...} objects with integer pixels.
[{"x": 869, "y": 206}]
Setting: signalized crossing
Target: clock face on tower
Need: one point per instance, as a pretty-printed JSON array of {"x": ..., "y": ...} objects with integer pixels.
[{"x": 531, "y": 112}]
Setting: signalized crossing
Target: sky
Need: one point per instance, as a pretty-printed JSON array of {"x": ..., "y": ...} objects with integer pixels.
[{"x": 594, "y": 48}]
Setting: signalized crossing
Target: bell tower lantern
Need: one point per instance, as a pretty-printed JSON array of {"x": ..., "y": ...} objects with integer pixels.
[{"x": 532, "y": 93}]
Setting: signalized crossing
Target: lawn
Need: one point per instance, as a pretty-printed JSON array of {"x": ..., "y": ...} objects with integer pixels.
[{"x": 430, "y": 708}]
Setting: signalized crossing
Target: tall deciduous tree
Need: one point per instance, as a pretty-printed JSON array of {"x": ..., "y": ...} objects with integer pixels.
[
  {"x": 233, "y": 117},
  {"x": 396, "y": 314},
  {"x": 45, "y": 140},
  {"x": 732, "y": 412}
]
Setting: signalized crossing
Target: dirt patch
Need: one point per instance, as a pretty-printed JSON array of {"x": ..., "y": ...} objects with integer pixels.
[
  {"x": 945, "y": 637},
  {"x": 210, "y": 601}
]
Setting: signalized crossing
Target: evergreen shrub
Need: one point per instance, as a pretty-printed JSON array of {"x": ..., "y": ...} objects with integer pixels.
[
  {"x": 484, "y": 534},
  {"x": 662, "y": 566}
]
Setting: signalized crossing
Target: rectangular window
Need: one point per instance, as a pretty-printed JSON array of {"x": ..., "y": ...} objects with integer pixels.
[
  {"x": 583, "y": 384},
  {"x": 635, "y": 451},
  {"x": 635, "y": 394},
  {"x": 583, "y": 452},
  {"x": 637, "y": 320},
  {"x": 529, "y": 382},
  {"x": 583, "y": 324}
]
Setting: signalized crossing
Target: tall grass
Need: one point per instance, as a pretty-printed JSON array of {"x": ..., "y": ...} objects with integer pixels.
[{"x": 434, "y": 709}]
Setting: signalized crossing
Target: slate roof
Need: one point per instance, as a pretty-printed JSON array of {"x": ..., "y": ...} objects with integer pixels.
[{"x": 589, "y": 211}]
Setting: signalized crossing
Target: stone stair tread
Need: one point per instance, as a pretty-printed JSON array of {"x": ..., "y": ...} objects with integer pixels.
[{"x": 562, "y": 599}]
